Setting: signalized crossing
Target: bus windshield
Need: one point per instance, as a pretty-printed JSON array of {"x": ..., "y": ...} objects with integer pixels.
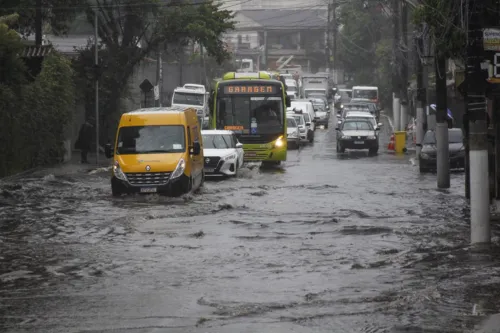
[
  {"x": 365, "y": 94},
  {"x": 250, "y": 114}
]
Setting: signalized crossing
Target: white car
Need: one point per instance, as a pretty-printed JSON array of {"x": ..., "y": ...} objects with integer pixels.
[
  {"x": 222, "y": 152},
  {"x": 292, "y": 132},
  {"x": 299, "y": 119},
  {"x": 362, "y": 115}
]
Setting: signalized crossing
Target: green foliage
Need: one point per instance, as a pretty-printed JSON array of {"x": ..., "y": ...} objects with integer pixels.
[
  {"x": 128, "y": 24},
  {"x": 442, "y": 18},
  {"x": 364, "y": 46},
  {"x": 33, "y": 115}
]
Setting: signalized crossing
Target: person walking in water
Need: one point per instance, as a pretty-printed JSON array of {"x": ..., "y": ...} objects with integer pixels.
[{"x": 84, "y": 141}]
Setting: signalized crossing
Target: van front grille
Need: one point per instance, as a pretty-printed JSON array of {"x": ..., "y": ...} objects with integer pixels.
[{"x": 148, "y": 178}]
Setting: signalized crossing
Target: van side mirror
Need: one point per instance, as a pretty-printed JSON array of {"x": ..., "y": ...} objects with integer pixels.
[
  {"x": 108, "y": 150},
  {"x": 239, "y": 145},
  {"x": 196, "y": 149},
  {"x": 308, "y": 124},
  {"x": 288, "y": 101}
]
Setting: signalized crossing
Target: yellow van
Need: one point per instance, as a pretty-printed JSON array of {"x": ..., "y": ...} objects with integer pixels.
[{"x": 157, "y": 150}]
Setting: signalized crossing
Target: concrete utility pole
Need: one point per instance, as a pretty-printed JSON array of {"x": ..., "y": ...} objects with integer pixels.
[
  {"x": 96, "y": 55},
  {"x": 328, "y": 54},
  {"x": 404, "y": 66},
  {"x": 442, "y": 143},
  {"x": 396, "y": 78},
  {"x": 159, "y": 74},
  {"x": 421, "y": 91},
  {"x": 335, "y": 33},
  {"x": 38, "y": 23},
  {"x": 476, "y": 114}
]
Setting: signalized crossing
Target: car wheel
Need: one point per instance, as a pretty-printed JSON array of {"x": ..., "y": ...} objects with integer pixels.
[
  {"x": 311, "y": 138},
  {"x": 422, "y": 168},
  {"x": 326, "y": 126}
]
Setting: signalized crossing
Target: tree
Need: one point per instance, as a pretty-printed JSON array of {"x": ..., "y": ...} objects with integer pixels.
[
  {"x": 131, "y": 29},
  {"x": 364, "y": 44},
  {"x": 55, "y": 13}
]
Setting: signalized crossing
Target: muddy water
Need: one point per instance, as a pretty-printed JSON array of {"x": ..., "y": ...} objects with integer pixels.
[{"x": 327, "y": 243}]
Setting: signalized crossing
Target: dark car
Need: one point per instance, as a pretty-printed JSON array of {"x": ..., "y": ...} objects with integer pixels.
[
  {"x": 357, "y": 134},
  {"x": 428, "y": 154}
]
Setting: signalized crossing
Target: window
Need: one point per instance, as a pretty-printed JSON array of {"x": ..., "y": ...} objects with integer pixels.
[
  {"x": 219, "y": 141},
  {"x": 299, "y": 120},
  {"x": 188, "y": 98},
  {"x": 151, "y": 139},
  {"x": 357, "y": 126},
  {"x": 290, "y": 122},
  {"x": 190, "y": 142},
  {"x": 367, "y": 94},
  {"x": 307, "y": 118}
]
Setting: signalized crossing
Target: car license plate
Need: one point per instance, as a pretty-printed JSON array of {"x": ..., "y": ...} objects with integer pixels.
[
  {"x": 359, "y": 142},
  {"x": 148, "y": 190},
  {"x": 209, "y": 170},
  {"x": 250, "y": 154}
]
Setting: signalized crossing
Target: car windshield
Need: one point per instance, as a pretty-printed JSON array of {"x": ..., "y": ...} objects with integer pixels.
[
  {"x": 363, "y": 93},
  {"x": 370, "y": 119},
  {"x": 307, "y": 119},
  {"x": 356, "y": 107},
  {"x": 357, "y": 126},
  {"x": 453, "y": 137},
  {"x": 290, "y": 122},
  {"x": 299, "y": 120},
  {"x": 188, "y": 98},
  {"x": 151, "y": 139},
  {"x": 218, "y": 141}
]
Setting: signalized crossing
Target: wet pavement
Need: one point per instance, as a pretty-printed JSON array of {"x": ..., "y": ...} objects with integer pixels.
[{"x": 327, "y": 243}]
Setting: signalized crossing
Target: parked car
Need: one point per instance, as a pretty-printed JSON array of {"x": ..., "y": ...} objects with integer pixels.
[
  {"x": 428, "y": 155},
  {"x": 308, "y": 122},
  {"x": 292, "y": 133},
  {"x": 357, "y": 134},
  {"x": 222, "y": 151},
  {"x": 307, "y": 107},
  {"x": 303, "y": 130},
  {"x": 320, "y": 111}
]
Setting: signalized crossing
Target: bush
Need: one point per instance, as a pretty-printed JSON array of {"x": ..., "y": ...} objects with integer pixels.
[{"x": 33, "y": 117}]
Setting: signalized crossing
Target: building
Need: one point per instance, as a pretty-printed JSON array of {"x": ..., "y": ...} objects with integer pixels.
[{"x": 271, "y": 35}]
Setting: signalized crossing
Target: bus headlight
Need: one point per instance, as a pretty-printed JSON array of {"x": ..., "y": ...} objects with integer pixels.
[
  {"x": 117, "y": 171},
  {"x": 279, "y": 142},
  {"x": 179, "y": 170}
]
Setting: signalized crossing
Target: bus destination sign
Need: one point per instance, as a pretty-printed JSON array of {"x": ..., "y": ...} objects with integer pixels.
[{"x": 240, "y": 89}]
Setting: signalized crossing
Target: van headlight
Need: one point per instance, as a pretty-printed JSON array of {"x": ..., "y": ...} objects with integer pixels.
[
  {"x": 424, "y": 156},
  {"x": 179, "y": 169},
  {"x": 279, "y": 142},
  {"x": 372, "y": 137},
  {"x": 117, "y": 171},
  {"x": 346, "y": 137},
  {"x": 229, "y": 157}
]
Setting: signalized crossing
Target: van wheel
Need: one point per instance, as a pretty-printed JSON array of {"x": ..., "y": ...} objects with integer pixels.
[
  {"x": 311, "y": 138},
  {"x": 115, "y": 191}
]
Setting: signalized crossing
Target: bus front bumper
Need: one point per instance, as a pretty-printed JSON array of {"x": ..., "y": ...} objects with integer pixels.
[{"x": 253, "y": 153}]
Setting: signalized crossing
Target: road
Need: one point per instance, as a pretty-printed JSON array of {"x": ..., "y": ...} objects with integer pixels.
[{"x": 328, "y": 243}]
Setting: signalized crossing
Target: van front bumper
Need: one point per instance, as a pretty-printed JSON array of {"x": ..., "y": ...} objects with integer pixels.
[{"x": 174, "y": 186}]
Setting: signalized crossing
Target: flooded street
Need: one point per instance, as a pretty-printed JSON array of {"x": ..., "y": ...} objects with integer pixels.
[{"x": 327, "y": 243}]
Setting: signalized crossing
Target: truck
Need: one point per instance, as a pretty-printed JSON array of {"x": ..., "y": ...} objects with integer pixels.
[
  {"x": 316, "y": 84},
  {"x": 194, "y": 96}
]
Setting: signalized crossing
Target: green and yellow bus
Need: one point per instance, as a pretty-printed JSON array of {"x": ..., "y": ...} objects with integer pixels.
[{"x": 253, "y": 105}]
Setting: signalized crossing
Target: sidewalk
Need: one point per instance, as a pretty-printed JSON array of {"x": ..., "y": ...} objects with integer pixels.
[{"x": 410, "y": 145}]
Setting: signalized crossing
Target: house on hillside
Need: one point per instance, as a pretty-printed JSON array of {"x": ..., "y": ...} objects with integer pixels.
[{"x": 269, "y": 35}]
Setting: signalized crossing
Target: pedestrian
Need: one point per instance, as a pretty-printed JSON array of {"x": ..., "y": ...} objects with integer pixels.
[{"x": 84, "y": 141}]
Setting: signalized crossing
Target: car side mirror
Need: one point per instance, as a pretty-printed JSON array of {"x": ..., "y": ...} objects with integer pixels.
[
  {"x": 377, "y": 128},
  {"x": 380, "y": 125},
  {"x": 308, "y": 124},
  {"x": 315, "y": 110},
  {"x": 239, "y": 145},
  {"x": 339, "y": 122},
  {"x": 196, "y": 149},
  {"x": 108, "y": 150},
  {"x": 337, "y": 128},
  {"x": 316, "y": 118}
]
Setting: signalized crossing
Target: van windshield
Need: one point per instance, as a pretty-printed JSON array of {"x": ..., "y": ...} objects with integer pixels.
[
  {"x": 151, "y": 140},
  {"x": 188, "y": 98}
]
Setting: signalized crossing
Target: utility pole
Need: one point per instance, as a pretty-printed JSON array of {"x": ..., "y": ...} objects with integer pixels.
[
  {"x": 96, "y": 55},
  {"x": 38, "y": 23},
  {"x": 396, "y": 106},
  {"x": 328, "y": 53},
  {"x": 159, "y": 74},
  {"x": 335, "y": 33},
  {"x": 404, "y": 66},
  {"x": 443, "y": 161},
  {"x": 266, "y": 50},
  {"x": 476, "y": 114},
  {"x": 421, "y": 91}
]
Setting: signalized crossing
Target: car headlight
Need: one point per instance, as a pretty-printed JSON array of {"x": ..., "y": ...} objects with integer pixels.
[
  {"x": 293, "y": 134},
  {"x": 346, "y": 137},
  {"x": 341, "y": 106},
  {"x": 372, "y": 137},
  {"x": 117, "y": 171},
  {"x": 229, "y": 157},
  {"x": 424, "y": 156},
  {"x": 179, "y": 169},
  {"x": 279, "y": 142},
  {"x": 302, "y": 130}
]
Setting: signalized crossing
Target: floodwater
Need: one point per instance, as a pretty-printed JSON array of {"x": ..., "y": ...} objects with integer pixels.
[{"x": 327, "y": 243}]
